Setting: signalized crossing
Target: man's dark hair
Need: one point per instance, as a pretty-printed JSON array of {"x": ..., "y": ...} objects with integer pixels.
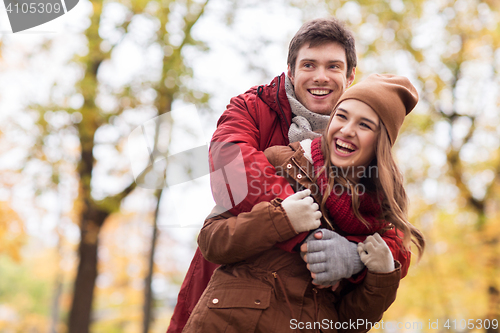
[{"x": 321, "y": 31}]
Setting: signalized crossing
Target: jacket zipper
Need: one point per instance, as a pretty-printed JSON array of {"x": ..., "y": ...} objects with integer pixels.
[
  {"x": 278, "y": 101},
  {"x": 283, "y": 290}
]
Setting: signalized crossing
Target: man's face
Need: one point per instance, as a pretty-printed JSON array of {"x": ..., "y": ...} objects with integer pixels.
[{"x": 320, "y": 76}]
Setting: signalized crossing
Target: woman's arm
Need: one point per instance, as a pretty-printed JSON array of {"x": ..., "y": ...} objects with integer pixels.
[{"x": 366, "y": 304}]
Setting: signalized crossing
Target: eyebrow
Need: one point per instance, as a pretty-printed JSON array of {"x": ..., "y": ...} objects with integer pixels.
[
  {"x": 362, "y": 118},
  {"x": 314, "y": 60}
]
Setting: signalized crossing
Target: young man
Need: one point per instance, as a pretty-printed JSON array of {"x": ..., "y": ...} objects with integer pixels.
[{"x": 293, "y": 107}]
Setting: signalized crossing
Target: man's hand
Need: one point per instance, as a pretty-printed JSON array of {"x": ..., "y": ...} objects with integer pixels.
[
  {"x": 330, "y": 257},
  {"x": 376, "y": 255},
  {"x": 302, "y": 211}
]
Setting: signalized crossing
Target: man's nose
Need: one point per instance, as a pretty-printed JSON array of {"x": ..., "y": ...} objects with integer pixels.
[{"x": 321, "y": 75}]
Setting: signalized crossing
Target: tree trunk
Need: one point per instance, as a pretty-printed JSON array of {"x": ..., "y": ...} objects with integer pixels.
[
  {"x": 80, "y": 315},
  {"x": 148, "y": 292},
  {"x": 494, "y": 307},
  {"x": 493, "y": 292}
]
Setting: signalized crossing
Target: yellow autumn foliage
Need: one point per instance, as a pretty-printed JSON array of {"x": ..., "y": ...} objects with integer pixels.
[{"x": 12, "y": 235}]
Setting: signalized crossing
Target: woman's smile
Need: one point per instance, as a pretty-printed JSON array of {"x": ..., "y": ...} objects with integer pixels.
[{"x": 344, "y": 148}]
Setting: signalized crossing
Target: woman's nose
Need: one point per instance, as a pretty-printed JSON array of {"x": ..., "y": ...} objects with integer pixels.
[{"x": 347, "y": 129}]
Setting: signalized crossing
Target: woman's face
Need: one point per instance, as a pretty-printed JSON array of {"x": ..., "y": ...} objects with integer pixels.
[{"x": 352, "y": 135}]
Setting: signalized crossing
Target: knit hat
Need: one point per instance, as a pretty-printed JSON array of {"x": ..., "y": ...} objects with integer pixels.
[{"x": 392, "y": 97}]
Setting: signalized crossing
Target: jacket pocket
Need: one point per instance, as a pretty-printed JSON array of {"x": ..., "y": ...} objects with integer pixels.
[{"x": 236, "y": 308}]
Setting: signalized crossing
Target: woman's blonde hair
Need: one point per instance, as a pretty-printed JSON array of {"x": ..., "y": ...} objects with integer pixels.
[{"x": 387, "y": 181}]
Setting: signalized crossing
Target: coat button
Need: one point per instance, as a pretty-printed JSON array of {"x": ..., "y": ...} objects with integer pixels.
[
  {"x": 299, "y": 176},
  {"x": 289, "y": 166},
  {"x": 257, "y": 301},
  {"x": 215, "y": 301}
]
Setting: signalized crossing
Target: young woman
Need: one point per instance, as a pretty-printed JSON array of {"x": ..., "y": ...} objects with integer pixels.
[{"x": 261, "y": 288}]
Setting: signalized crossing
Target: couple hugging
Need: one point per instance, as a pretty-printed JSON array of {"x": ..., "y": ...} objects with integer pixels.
[{"x": 322, "y": 238}]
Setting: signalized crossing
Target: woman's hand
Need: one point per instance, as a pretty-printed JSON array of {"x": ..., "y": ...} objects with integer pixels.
[
  {"x": 303, "y": 251},
  {"x": 376, "y": 255}
]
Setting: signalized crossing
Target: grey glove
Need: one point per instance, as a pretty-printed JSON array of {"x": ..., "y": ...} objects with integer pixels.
[
  {"x": 376, "y": 255},
  {"x": 332, "y": 258}
]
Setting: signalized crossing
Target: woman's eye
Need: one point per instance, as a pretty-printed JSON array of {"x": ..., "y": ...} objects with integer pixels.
[
  {"x": 341, "y": 116},
  {"x": 365, "y": 125}
]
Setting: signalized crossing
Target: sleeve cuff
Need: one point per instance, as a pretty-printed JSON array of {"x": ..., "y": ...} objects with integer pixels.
[
  {"x": 281, "y": 222},
  {"x": 383, "y": 280}
]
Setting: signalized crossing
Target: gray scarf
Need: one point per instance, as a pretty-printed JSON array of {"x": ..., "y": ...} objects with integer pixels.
[{"x": 305, "y": 122}]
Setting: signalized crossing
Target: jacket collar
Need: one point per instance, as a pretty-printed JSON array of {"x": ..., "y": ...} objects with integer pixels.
[
  {"x": 301, "y": 170},
  {"x": 274, "y": 95}
]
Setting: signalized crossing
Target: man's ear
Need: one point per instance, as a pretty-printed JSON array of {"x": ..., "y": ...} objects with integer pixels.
[
  {"x": 351, "y": 78},
  {"x": 289, "y": 74}
]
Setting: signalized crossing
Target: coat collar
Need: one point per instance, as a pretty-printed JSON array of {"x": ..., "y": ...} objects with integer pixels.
[
  {"x": 274, "y": 95},
  {"x": 301, "y": 171}
]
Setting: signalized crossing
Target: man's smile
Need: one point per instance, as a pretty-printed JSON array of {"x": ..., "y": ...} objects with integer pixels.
[{"x": 319, "y": 91}]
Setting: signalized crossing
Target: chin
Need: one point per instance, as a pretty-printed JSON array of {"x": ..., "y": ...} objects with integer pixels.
[
  {"x": 343, "y": 165},
  {"x": 321, "y": 111}
]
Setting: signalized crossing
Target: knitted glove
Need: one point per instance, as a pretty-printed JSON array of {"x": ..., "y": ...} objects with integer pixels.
[
  {"x": 332, "y": 258},
  {"x": 302, "y": 211},
  {"x": 376, "y": 255}
]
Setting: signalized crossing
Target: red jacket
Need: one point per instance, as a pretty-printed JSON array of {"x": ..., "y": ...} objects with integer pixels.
[{"x": 256, "y": 120}]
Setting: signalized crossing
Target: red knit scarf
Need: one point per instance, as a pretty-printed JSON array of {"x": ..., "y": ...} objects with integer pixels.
[{"x": 339, "y": 203}]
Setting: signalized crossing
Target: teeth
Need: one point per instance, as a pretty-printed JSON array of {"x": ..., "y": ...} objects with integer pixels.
[
  {"x": 345, "y": 145},
  {"x": 319, "y": 91}
]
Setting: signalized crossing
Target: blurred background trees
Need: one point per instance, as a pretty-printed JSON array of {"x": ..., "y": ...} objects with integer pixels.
[
  {"x": 109, "y": 256},
  {"x": 449, "y": 150}
]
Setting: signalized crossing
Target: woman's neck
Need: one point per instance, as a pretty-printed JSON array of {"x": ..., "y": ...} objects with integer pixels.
[{"x": 354, "y": 174}]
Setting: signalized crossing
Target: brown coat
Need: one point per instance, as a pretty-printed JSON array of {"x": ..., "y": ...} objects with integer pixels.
[{"x": 260, "y": 288}]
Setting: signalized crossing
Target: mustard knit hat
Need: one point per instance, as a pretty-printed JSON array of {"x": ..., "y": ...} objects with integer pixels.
[{"x": 392, "y": 97}]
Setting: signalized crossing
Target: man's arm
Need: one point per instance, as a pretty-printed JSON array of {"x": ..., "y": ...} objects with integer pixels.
[
  {"x": 241, "y": 175},
  {"x": 225, "y": 239}
]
